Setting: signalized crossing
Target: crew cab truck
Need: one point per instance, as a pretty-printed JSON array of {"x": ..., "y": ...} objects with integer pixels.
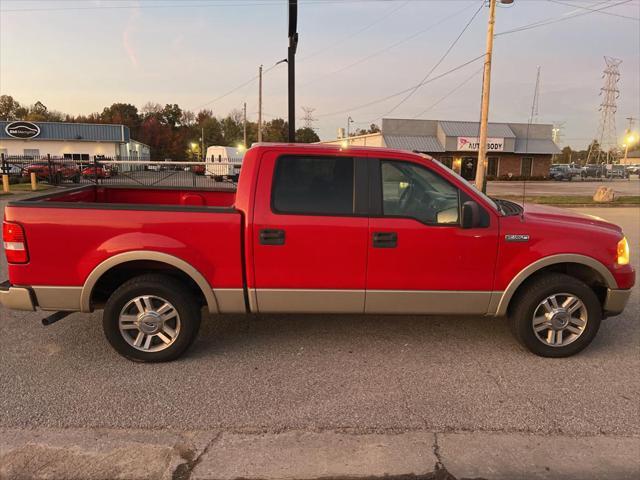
[{"x": 313, "y": 229}]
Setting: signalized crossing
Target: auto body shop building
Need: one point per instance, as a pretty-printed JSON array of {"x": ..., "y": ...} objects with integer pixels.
[
  {"x": 514, "y": 149},
  {"x": 77, "y": 141}
]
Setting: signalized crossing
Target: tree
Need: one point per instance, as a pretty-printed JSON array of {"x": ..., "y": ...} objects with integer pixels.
[
  {"x": 122, "y": 114},
  {"x": 172, "y": 115},
  {"x": 277, "y": 130},
  {"x": 11, "y": 109},
  {"x": 373, "y": 128},
  {"x": 306, "y": 135},
  {"x": 151, "y": 108}
]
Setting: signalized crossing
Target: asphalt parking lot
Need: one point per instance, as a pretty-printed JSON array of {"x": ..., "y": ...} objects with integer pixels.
[
  {"x": 574, "y": 187},
  {"x": 315, "y": 373}
]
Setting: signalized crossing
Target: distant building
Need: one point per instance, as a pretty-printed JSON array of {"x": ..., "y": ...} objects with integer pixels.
[
  {"x": 515, "y": 149},
  {"x": 77, "y": 141},
  {"x": 633, "y": 157}
]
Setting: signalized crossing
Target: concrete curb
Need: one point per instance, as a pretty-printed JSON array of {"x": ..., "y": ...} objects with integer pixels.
[{"x": 302, "y": 455}]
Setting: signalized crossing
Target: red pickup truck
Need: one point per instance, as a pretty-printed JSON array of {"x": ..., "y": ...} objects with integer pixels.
[{"x": 313, "y": 229}]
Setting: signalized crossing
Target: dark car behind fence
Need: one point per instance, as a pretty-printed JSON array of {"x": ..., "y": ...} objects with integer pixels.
[{"x": 218, "y": 173}]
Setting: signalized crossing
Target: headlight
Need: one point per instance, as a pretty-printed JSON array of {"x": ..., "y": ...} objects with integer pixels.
[{"x": 623, "y": 252}]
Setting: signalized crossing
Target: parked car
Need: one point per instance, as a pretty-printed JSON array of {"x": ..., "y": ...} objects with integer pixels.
[
  {"x": 197, "y": 169},
  {"x": 99, "y": 171},
  {"x": 563, "y": 172},
  {"x": 55, "y": 172},
  {"x": 633, "y": 169},
  {"x": 617, "y": 171},
  {"x": 11, "y": 169},
  {"x": 593, "y": 170},
  {"x": 313, "y": 229}
]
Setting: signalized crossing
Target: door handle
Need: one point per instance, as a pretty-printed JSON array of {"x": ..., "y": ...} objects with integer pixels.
[
  {"x": 385, "y": 239},
  {"x": 270, "y": 236}
]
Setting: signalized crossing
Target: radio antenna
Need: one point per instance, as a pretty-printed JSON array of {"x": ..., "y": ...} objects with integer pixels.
[{"x": 533, "y": 116}]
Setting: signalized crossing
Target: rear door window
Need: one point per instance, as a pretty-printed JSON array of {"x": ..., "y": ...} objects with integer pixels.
[{"x": 313, "y": 185}]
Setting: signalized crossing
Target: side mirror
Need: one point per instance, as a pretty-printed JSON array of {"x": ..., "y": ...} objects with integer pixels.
[{"x": 471, "y": 215}]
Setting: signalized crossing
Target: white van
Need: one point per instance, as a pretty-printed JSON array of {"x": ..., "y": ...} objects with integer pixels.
[{"x": 223, "y": 163}]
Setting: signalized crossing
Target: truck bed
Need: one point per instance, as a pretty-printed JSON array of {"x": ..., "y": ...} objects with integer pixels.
[
  {"x": 131, "y": 195},
  {"x": 70, "y": 233}
]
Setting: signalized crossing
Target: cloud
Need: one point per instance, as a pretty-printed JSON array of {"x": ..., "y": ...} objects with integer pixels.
[{"x": 129, "y": 29}]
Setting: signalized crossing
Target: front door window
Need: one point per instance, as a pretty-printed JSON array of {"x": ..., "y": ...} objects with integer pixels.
[{"x": 410, "y": 190}]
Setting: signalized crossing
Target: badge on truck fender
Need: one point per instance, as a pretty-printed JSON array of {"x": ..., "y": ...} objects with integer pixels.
[{"x": 517, "y": 238}]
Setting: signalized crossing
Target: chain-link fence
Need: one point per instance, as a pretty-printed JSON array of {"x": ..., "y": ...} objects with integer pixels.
[{"x": 213, "y": 173}]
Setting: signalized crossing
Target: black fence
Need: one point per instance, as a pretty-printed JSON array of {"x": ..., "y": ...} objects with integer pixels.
[{"x": 213, "y": 173}]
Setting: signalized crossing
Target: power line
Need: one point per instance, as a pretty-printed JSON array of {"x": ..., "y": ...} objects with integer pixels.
[
  {"x": 236, "y": 88},
  {"x": 594, "y": 10},
  {"x": 438, "y": 63},
  {"x": 393, "y": 95},
  {"x": 451, "y": 92},
  {"x": 357, "y": 32},
  {"x": 388, "y": 47},
  {"x": 566, "y": 16}
]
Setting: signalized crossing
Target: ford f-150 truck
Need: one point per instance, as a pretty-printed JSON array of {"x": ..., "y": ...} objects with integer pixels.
[{"x": 313, "y": 229}]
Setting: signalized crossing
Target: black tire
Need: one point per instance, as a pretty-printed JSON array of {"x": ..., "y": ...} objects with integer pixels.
[
  {"x": 164, "y": 287},
  {"x": 527, "y": 300}
]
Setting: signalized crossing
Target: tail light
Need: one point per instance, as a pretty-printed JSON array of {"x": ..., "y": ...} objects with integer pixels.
[{"x": 15, "y": 243}]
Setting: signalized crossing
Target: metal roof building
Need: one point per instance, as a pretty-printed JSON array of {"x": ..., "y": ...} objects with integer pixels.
[
  {"x": 78, "y": 141},
  {"x": 514, "y": 149}
]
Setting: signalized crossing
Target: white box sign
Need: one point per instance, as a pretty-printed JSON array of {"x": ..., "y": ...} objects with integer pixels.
[{"x": 471, "y": 144}]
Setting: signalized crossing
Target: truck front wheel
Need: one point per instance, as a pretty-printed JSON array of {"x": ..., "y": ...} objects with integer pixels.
[
  {"x": 555, "y": 315},
  {"x": 151, "y": 318}
]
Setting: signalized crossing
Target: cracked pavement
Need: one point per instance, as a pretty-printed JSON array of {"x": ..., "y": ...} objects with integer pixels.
[{"x": 351, "y": 376}]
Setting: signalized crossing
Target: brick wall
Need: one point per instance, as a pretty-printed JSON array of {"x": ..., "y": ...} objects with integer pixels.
[{"x": 510, "y": 163}]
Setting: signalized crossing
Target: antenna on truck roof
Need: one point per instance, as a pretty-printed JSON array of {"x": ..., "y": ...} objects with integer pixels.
[{"x": 533, "y": 116}]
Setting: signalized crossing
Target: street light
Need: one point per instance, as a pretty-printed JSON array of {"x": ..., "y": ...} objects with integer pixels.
[
  {"x": 284, "y": 60},
  {"x": 486, "y": 87},
  {"x": 629, "y": 140}
]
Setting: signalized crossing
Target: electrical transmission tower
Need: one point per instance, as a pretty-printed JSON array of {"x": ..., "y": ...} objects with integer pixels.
[
  {"x": 308, "y": 118},
  {"x": 610, "y": 92}
]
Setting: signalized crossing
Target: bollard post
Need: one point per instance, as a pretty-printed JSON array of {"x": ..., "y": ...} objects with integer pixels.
[
  {"x": 34, "y": 181},
  {"x": 5, "y": 183}
]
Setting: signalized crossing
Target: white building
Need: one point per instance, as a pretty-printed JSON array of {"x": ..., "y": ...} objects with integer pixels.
[{"x": 77, "y": 141}]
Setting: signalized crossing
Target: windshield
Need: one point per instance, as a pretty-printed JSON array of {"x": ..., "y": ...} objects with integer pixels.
[{"x": 487, "y": 199}]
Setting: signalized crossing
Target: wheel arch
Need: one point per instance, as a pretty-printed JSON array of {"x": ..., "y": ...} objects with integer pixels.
[
  {"x": 577, "y": 266},
  {"x": 136, "y": 256}
]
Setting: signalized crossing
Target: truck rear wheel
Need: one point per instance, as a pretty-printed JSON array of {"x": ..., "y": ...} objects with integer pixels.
[
  {"x": 556, "y": 315},
  {"x": 151, "y": 318}
]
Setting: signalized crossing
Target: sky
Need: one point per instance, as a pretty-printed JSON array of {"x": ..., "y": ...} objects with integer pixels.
[{"x": 354, "y": 56}]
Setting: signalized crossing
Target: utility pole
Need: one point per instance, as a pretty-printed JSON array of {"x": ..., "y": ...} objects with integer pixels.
[
  {"x": 260, "y": 104},
  {"x": 486, "y": 88},
  {"x": 244, "y": 123},
  {"x": 291, "y": 61},
  {"x": 202, "y": 153}
]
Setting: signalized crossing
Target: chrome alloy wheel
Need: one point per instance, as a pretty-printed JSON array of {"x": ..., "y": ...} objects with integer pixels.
[
  {"x": 149, "y": 323},
  {"x": 559, "y": 319}
]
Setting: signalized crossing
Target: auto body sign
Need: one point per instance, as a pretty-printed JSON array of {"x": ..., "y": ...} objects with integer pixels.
[{"x": 471, "y": 144}]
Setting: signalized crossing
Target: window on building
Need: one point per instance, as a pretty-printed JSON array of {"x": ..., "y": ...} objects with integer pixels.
[
  {"x": 410, "y": 190},
  {"x": 4, "y": 152},
  {"x": 76, "y": 156},
  {"x": 447, "y": 162},
  {"x": 492, "y": 166},
  {"x": 313, "y": 185},
  {"x": 526, "y": 164},
  {"x": 31, "y": 152}
]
